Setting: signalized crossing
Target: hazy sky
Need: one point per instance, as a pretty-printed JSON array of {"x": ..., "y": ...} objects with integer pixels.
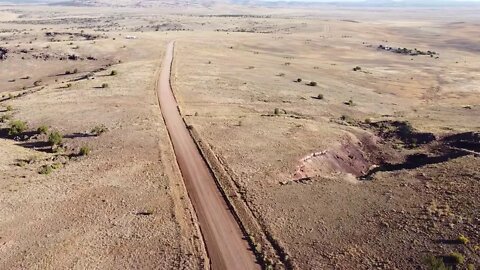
[{"x": 432, "y": 1}]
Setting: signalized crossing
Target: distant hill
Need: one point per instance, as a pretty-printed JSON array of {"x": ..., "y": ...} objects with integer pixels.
[
  {"x": 265, "y": 3},
  {"x": 142, "y": 3}
]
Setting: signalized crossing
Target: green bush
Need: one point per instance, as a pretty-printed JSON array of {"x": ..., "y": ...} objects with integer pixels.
[
  {"x": 84, "y": 151},
  {"x": 434, "y": 263},
  {"x": 57, "y": 165},
  {"x": 42, "y": 129},
  {"x": 113, "y": 73},
  {"x": 320, "y": 96},
  {"x": 55, "y": 138},
  {"x": 98, "y": 130},
  {"x": 17, "y": 127},
  {"x": 457, "y": 257},
  {"x": 312, "y": 83},
  {"x": 9, "y": 108},
  {"x": 104, "y": 85},
  {"x": 45, "y": 169},
  {"x": 463, "y": 239}
]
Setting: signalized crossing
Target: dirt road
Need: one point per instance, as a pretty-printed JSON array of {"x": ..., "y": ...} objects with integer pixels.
[{"x": 223, "y": 237}]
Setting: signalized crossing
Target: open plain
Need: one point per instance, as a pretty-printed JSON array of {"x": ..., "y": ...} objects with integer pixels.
[{"x": 338, "y": 138}]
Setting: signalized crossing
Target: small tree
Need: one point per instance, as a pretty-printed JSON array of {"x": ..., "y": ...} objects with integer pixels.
[
  {"x": 55, "y": 138},
  {"x": 17, "y": 127},
  {"x": 312, "y": 83},
  {"x": 42, "y": 129}
]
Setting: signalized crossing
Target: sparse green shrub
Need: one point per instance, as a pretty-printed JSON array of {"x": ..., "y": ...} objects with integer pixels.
[
  {"x": 56, "y": 166},
  {"x": 347, "y": 119},
  {"x": 470, "y": 266},
  {"x": 9, "y": 108},
  {"x": 312, "y": 83},
  {"x": 463, "y": 239},
  {"x": 75, "y": 71},
  {"x": 45, "y": 169},
  {"x": 55, "y": 138},
  {"x": 357, "y": 68},
  {"x": 99, "y": 130},
  {"x": 32, "y": 159},
  {"x": 84, "y": 151},
  {"x": 42, "y": 129},
  {"x": 57, "y": 149},
  {"x": 298, "y": 80},
  {"x": 320, "y": 96},
  {"x": 21, "y": 163},
  {"x": 105, "y": 85},
  {"x": 457, "y": 257},
  {"x": 37, "y": 83},
  {"x": 434, "y": 263},
  {"x": 68, "y": 85},
  {"x": 5, "y": 117},
  {"x": 17, "y": 127},
  {"x": 113, "y": 73}
]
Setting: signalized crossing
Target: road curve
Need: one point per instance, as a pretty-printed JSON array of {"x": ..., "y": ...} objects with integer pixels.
[{"x": 223, "y": 237}]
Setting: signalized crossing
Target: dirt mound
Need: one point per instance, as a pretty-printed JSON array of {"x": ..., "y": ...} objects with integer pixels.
[
  {"x": 354, "y": 155},
  {"x": 396, "y": 146}
]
